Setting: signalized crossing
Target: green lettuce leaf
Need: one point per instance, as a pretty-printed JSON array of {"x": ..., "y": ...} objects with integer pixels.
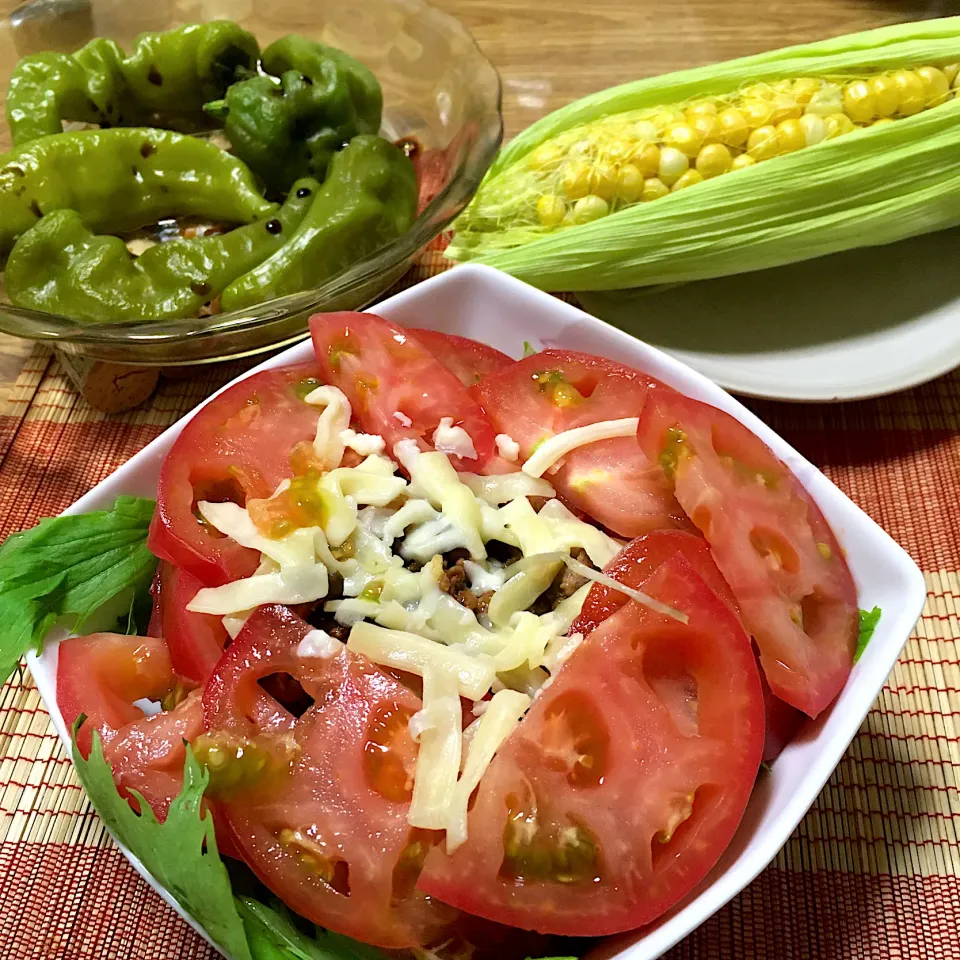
[
  {"x": 868, "y": 623},
  {"x": 180, "y": 853},
  {"x": 68, "y": 568}
]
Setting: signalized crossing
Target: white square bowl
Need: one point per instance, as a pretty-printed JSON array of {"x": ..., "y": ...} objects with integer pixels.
[{"x": 484, "y": 304}]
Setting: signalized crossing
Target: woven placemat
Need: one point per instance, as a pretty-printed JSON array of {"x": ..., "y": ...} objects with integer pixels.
[{"x": 873, "y": 871}]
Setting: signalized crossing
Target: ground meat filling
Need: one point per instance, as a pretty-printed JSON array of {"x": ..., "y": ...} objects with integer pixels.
[{"x": 455, "y": 582}]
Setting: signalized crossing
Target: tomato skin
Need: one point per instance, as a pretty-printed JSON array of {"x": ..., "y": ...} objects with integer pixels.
[
  {"x": 632, "y": 678},
  {"x": 384, "y": 369},
  {"x": 328, "y": 795},
  {"x": 237, "y": 447},
  {"x": 557, "y": 390},
  {"x": 195, "y": 640},
  {"x": 468, "y": 360},
  {"x": 770, "y": 541}
]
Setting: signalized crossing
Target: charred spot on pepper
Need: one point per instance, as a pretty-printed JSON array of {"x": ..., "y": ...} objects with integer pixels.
[
  {"x": 201, "y": 289},
  {"x": 147, "y": 149},
  {"x": 303, "y": 192},
  {"x": 154, "y": 76},
  {"x": 35, "y": 209},
  {"x": 306, "y": 80},
  {"x": 410, "y": 146},
  {"x": 274, "y": 227}
]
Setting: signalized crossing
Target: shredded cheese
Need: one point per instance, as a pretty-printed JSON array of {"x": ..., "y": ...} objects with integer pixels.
[
  {"x": 453, "y": 440},
  {"x": 289, "y": 585},
  {"x": 327, "y": 445},
  {"x": 363, "y": 443},
  {"x": 319, "y": 643},
  {"x": 507, "y": 447},
  {"x": 554, "y": 448},
  {"x": 503, "y": 487}
]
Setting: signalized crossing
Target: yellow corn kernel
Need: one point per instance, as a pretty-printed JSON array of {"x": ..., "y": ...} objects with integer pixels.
[
  {"x": 881, "y": 121},
  {"x": 826, "y": 102},
  {"x": 667, "y": 118},
  {"x": 618, "y": 151},
  {"x": 732, "y": 127},
  {"x": 546, "y": 157},
  {"x": 814, "y": 128},
  {"x": 654, "y": 189},
  {"x": 782, "y": 108},
  {"x": 629, "y": 183},
  {"x": 576, "y": 179},
  {"x": 707, "y": 126},
  {"x": 684, "y": 138},
  {"x": 603, "y": 180},
  {"x": 712, "y": 160},
  {"x": 705, "y": 108},
  {"x": 590, "y": 208},
  {"x": 645, "y": 131},
  {"x": 673, "y": 164},
  {"x": 550, "y": 210},
  {"x": 742, "y": 162},
  {"x": 913, "y": 94},
  {"x": 790, "y": 136},
  {"x": 838, "y": 124},
  {"x": 859, "y": 101},
  {"x": 950, "y": 71},
  {"x": 762, "y": 143},
  {"x": 886, "y": 95},
  {"x": 758, "y": 91},
  {"x": 936, "y": 84},
  {"x": 687, "y": 180},
  {"x": 756, "y": 112},
  {"x": 647, "y": 159},
  {"x": 804, "y": 88}
]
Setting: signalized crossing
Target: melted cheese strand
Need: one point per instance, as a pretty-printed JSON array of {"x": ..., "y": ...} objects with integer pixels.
[
  {"x": 498, "y": 721},
  {"x": 557, "y": 447},
  {"x": 327, "y": 445},
  {"x": 290, "y": 585},
  {"x": 439, "y": 724}
]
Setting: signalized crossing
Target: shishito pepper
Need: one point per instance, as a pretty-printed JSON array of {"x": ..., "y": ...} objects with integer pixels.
[
  {"x": 289, "y": 121},
  {"x": 119, "y": 180},
  {"x": 368, "y": 199},
  {"x": 165, "y": 80},
  {"x": 60, "y": 266}
]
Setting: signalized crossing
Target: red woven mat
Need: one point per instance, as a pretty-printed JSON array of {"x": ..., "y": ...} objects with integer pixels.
[{"x": 873, "y": 871}]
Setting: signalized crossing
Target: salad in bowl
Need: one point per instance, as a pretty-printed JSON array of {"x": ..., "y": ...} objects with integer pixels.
[{"x": 429, "y": 651}]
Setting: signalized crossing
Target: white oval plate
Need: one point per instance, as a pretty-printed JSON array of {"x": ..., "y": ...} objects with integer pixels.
[{"x": 859, "y": 324}]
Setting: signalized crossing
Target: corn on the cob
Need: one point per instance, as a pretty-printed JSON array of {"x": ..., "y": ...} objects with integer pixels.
[{"x": 787, "y": 153}]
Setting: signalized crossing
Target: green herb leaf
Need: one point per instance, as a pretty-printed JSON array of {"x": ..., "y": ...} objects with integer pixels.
[
  {"x": 273, "y": 935},
  {"x": 180, "y": 853},
  {"x": 868, "y": 623},
  {"x": 71, "y": 567},
  {"x": 529, "y": 349}
]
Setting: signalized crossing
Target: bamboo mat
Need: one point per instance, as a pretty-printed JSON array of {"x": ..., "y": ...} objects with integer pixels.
[{"x": 872, "y": 872}]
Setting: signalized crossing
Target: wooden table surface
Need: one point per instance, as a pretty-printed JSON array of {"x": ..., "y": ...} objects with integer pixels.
[{"x": 550, "y": 54}]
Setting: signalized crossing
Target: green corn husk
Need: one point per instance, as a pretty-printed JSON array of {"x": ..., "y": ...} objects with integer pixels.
[{"x": 869, "y": 187}]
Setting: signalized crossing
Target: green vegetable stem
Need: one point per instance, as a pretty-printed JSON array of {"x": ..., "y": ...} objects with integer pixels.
[
  {"x": 288, "y": 122},
  {"x": 368, "y": 199},
  {"x": 165, "y": 81},
  {"x": 60, "y": 266},
  {"x": 119, "y": 180}
]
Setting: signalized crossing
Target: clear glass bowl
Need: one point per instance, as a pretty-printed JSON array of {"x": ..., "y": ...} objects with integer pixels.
[{"x": 437, "y": 86}]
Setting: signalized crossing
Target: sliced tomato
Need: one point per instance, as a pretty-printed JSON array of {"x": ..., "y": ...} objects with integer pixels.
[
  {"x": 396, "y": 386},
  {"x": 635, "y": 563},
  {"x": 195, "y": 640},
  {"x": 611, "y": 480},
  {"x": 770, "y": 541},
  {"x": 237, "y": 447},
  {"x": 625, "y": 781},
  {"x": 468, "y": 360},
  {"x": 328, "y": 835}
]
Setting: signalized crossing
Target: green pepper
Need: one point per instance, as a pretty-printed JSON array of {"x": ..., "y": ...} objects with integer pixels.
[
  {"x": 60, "y": 266},
  {"x": 288, "y": 122},
  {"x": 119, "y": 180},
  {"x": 165, "y": 81},
  {"x": 369, "y": 198}
]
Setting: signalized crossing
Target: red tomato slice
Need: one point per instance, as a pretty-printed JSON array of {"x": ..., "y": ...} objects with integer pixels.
[
  {"x": 625, "y": 781},
  {"x": 237, "y": 447},
  {"x": 384, "y": 371},
  {"x": 635, "y": 563},
  {"x": 331, "y": 837},
  {"x": 638, "y": 561},
  {"x": 611, "y": 480},
  {"x": 769, "y": 540},
  {"x": 468, "y": 360},
  {"x": 195, "y": 640}
]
